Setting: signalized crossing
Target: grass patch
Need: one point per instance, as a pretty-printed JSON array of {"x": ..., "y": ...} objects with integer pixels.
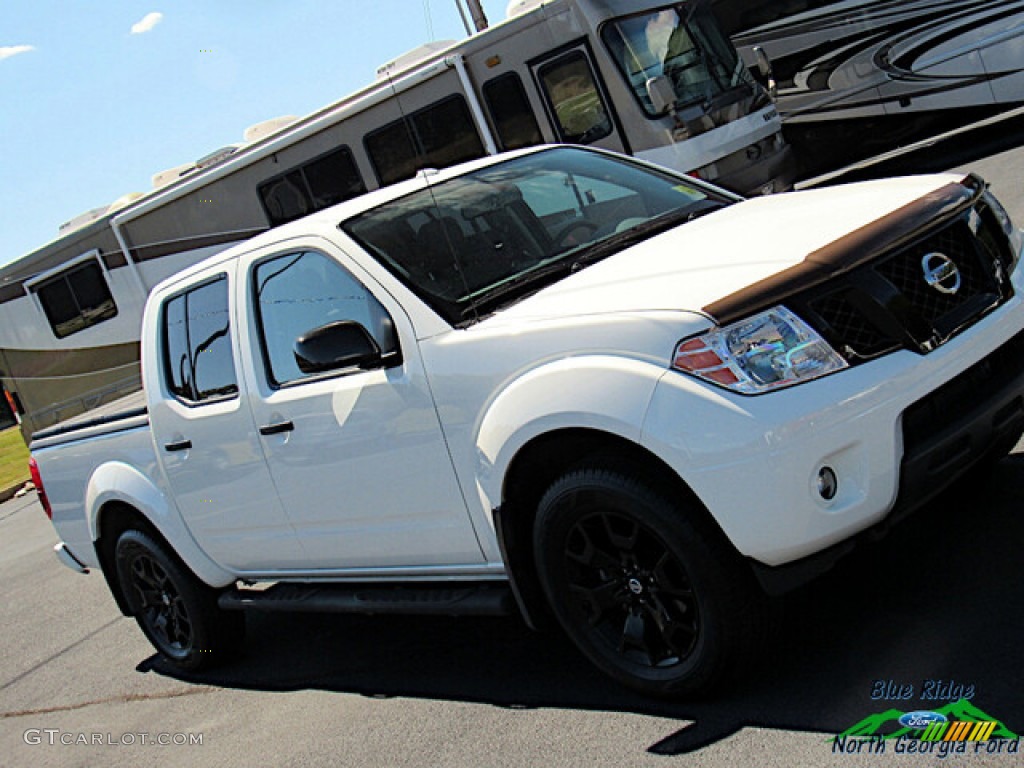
[{"x": 13, "y": 458}]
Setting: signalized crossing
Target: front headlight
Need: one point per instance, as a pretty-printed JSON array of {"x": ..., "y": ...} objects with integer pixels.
[
  {"x": 1015, "y": 236},
  {"x": 767, "y": 351}
]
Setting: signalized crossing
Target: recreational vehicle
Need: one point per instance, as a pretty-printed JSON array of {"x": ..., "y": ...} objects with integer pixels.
[
  {"x": 658, "y": 80},
  {"x": 866, "y": 75}
]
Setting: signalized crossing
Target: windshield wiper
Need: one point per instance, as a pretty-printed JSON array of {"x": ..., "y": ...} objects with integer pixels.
[
  {"x": 520, "y": 285},
  {"x": 644, "y": 231}
]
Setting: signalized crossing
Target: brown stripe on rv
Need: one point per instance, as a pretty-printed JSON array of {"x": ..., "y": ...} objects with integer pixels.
[
  {"x": 11, "y": 292},
  {"x": 115, "y": 260},
  {"x": 158, "y": 250},
  {"x": 849, "y": 252}
]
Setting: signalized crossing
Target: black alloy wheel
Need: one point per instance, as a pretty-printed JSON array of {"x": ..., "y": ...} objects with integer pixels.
[
  {"x": 631, "y": 589},
  {"x": 176, "y": 611},
  {"x": 161, "y": 605},
  {"x": 641, "y": 584}
]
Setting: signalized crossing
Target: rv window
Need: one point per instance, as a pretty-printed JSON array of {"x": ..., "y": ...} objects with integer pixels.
[
  {"x": 77, "y": 299},
  {"x": 513, "y": 118},
  {"x": 328, "y": 180},
  {"x": 333, "y": 179},
  {"x": 285, "y": 198},
  {"x": 198, "y": 360},
  {"x": 580, "y": 113},
  {"x": 299, "y": 292},
  {"x": 684, "y": 46},
  {"x": 437, "y": 136},
  {"x": 392, "y": 152}
]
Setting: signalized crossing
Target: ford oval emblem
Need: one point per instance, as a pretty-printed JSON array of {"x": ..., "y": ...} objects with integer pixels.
[
  {"x": 941, "y": 273},
  {"x": 921, "y": 719}
]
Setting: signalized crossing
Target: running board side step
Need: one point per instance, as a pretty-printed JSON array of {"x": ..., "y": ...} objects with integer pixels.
[{"x": 492, "y": 599}]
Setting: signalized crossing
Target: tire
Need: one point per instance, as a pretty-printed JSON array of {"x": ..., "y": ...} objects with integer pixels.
[
  {"x": 642, "y": 587},
  {"x": 176, "y": 611}
]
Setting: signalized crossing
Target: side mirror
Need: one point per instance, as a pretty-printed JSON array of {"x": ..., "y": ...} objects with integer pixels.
[
  {"x": 662, "y": 94},
  {"x": 341, "y": 344},
  {"x": 764, "y": 68}
]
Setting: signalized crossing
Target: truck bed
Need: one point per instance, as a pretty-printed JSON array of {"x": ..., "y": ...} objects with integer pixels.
[{"x": 127, "y": 412}]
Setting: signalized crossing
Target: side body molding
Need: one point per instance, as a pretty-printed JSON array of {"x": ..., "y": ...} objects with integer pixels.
[{"x": 118, "y": 482}]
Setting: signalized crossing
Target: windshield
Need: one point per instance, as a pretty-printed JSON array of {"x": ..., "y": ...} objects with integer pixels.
[
  {"x": 473, "y": 244},
  {"x": 685, "y": 45}
]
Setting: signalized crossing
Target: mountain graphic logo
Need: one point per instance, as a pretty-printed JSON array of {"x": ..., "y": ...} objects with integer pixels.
[{"x": 886, "y": 725}]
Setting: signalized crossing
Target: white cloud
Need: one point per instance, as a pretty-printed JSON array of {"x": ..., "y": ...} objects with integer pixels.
[
  {"x": 6, "y": 51},
  {"x": 149, "y": 21}
]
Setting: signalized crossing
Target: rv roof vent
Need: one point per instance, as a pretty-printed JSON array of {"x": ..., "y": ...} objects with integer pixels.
[
  {"x": 81, "y": 220},
  {"x": 414, "y": 56},
  {"x": 216, "y": 156},
  {"x": 267, "y": 127},
  {"x": 164, "y": 178},
  {"x": 124, "y": 201},
  {"x": 519, "y": 7}
]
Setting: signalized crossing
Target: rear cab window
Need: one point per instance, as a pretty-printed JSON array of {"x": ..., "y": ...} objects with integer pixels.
[{"x": 198, "y": 358}]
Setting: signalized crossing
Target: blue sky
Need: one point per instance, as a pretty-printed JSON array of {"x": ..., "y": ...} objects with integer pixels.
[{"x": 90, "y": 109}]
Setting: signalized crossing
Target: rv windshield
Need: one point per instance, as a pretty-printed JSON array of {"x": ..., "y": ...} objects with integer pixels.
[
  {"x": 473, "y": 244},
  {"x": 684, "y": 44}
]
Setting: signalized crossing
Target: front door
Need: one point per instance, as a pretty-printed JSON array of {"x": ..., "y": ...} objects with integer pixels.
[{"x": 357, "y": 454}]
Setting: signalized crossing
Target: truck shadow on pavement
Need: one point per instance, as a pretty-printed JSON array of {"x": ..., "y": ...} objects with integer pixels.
[{"x": 940, "y": 599}]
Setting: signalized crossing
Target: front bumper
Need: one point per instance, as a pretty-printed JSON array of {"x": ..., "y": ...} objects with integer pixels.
[{"x": 896, "y": 431}]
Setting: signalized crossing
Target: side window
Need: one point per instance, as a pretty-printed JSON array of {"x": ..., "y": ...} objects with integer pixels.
[
  {"x": 198, "y": 361},
  {"x": 569, "y": 85},
  {"x": 514, "y": 121},
  {"x": 328, "y": 180},
  {"x": 437, "y": 136},
  {"x": 76, "y": 299},
  {"x": 298, "y": 292}
]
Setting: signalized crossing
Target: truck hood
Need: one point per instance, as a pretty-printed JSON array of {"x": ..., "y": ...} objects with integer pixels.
[{"x": 697, "y": 264}]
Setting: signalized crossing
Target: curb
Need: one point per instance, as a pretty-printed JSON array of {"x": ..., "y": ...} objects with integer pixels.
[{"x": 6, "y": 494}]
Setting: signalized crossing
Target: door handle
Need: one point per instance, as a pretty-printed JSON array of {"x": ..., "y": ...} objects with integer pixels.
[
  {"x": 276, "y": 429},
  {"x": 181, "y": 445}
]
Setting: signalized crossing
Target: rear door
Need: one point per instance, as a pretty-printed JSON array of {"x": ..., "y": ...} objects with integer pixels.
[
  {"x": 209, "y": 450},
  {"x": 357, "y": 454}
]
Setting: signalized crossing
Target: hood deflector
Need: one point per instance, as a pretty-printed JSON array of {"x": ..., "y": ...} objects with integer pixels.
[{"x": 850, "y": 251}]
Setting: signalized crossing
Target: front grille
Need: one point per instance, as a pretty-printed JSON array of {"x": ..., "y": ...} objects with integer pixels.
[
  {"x": 852, "y": 326},
  {"x": 905, "y": 271},
  {"x": 886, "y": 304}
]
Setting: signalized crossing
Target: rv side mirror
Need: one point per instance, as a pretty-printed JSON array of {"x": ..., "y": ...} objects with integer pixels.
[
  {"x": 662, "y": 94},
  {"x": 337, "y": 345},
  {"x": 764, "y": 68}
]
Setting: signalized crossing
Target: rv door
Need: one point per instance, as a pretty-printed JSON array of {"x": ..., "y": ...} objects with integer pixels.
[{"x": 577, "y": 102}]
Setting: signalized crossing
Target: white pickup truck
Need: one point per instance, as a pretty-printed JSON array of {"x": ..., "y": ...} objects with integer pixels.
[{"x": 558, "y": 381}]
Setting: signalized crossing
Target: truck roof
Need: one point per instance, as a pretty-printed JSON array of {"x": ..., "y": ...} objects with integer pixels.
[{"x": 331, "y": 217}]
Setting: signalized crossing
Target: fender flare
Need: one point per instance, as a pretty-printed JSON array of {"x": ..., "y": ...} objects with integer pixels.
[
  {"x": 604, "y": 393},
  {"x": 117, "y": 482}
]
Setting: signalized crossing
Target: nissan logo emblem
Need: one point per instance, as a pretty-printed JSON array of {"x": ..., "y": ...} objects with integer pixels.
[{"x": 941, "y": 273}]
